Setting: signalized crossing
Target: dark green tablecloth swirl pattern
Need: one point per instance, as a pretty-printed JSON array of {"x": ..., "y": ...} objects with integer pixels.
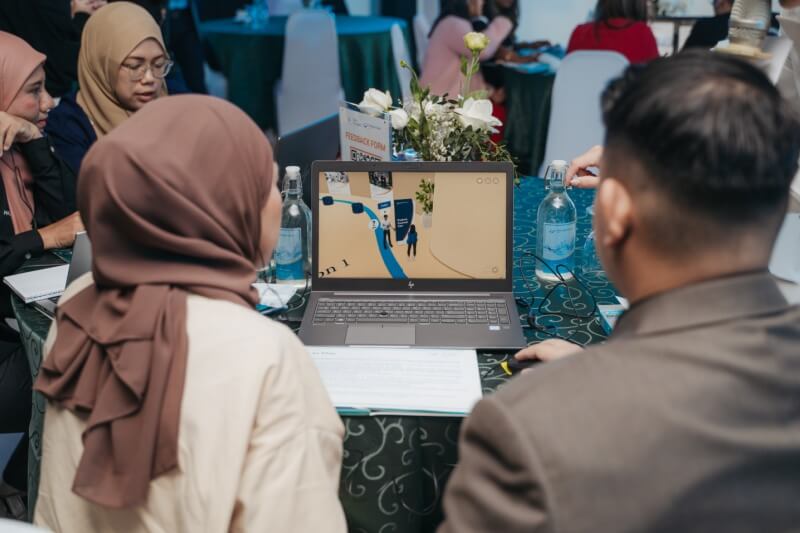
[
  {"x": 395, "y": 468},
  {"x": 252, "y": 60}
]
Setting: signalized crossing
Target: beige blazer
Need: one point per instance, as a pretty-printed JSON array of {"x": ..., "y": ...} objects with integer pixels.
[
  {"x": 687, "y": 420},
  {"x": 260, "y": 445}
]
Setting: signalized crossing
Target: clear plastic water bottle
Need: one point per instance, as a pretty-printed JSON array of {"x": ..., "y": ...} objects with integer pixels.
[
  {"x": 556, "y": 222},
  {"x": 292, "y": 256}
]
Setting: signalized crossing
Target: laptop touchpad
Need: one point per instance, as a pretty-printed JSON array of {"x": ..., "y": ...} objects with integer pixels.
[{"x": 381, "y": 334}]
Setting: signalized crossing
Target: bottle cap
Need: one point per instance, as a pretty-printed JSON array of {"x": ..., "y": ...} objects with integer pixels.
[
  {"x": 559, "y": 163},
  {"x": 293, "y": 171}
]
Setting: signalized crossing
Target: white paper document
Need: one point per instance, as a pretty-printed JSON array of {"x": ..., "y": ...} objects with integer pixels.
[
  {"x": 39, "y": 284},
  {"x": 380, "y": 380}
]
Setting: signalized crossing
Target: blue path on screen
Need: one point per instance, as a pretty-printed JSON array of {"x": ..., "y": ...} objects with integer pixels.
[{"x": 389, "y": 259}]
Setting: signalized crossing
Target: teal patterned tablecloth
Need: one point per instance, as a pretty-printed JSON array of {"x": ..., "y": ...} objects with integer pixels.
[{"x": 395, "y": 468}]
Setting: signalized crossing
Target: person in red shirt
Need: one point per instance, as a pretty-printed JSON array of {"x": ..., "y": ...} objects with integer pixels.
[{"x": 619, "y": 26}]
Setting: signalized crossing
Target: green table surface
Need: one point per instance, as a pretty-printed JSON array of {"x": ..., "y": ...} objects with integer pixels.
[
  {"x": 252, "y": 60},
  {"x": 395, "y": 468}
]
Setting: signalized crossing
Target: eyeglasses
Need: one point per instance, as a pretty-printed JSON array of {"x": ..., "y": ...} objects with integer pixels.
[{"x": 159, "y": 70}]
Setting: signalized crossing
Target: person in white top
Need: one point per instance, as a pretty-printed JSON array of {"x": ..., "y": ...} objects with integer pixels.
[{"x": 173, "y": 405}]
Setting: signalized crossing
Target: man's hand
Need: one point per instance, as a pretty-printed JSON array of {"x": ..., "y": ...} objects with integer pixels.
[
  {"x": 548, "y": 350},
  {"x": 578, "y": 174},
  {"x": 15, "y": 130},
  {"x": 85, "y": 6},
  {"x": 61, "y": 234}
]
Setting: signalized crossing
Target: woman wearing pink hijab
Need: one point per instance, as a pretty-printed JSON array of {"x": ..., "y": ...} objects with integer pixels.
[{"x": 36, "y": 190}]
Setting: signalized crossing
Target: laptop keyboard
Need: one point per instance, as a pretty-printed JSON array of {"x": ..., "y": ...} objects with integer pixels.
[{"x": 348, "y": 311}]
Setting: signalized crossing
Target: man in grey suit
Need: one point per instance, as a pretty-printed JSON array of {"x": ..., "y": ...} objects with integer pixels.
[{"x": 688, "y": 418}]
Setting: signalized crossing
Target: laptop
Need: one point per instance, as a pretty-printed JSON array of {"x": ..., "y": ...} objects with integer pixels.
[
  {"x": 319, "y": 140},
  {"x": 80, "y": 264},
  {"x": 412, "y": 254}
]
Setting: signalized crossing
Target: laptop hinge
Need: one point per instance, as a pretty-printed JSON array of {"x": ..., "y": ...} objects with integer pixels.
[{"x": 424, "y": 294}]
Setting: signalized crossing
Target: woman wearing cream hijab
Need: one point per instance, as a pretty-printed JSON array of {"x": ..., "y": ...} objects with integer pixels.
[
  {"x": 174, "y": 405},
  {"x": 121, "y": 67}
]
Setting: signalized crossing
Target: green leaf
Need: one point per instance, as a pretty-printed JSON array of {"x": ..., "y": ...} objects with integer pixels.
[{"x": 464, "y": 65}]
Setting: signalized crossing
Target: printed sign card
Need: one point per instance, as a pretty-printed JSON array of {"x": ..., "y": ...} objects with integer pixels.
[{"x": 364, "y": 137}]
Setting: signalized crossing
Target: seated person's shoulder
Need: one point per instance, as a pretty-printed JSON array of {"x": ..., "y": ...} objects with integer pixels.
[
  {"x": 453, "y": 23},
  {"x": 69, "y": 118},
  {"x": 219, "y": 323},
  {"x": 227, "y": 321}
]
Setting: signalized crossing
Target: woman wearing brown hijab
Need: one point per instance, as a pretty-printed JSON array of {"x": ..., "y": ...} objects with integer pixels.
[
  {"x": 174, "y": 405},
  {"x": 121, "y": 67},
  {"x": 36, "y": 189}
]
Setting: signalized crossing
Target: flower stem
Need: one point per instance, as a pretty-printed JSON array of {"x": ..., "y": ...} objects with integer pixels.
[{"x": 468, "y": 76}]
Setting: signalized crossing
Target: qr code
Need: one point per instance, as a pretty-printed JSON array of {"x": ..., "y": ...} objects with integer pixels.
[{"x": 357, "y": 155}]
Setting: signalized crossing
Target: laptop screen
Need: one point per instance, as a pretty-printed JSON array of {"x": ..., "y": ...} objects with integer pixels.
[{"x": 417, "y": 225}]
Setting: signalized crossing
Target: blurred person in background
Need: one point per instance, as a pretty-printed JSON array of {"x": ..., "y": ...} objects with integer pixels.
[
  {"x": 122, "y": 66},
  {"x": 618, "y": 26},
  {"x": 52, "y": 27},
  {"x": 707, "y": 32},
  {"x": 441, "y": 69}
]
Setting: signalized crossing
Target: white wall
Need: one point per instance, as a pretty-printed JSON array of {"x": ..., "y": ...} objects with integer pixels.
[
  {"x": 551, "y": 19},
  {"x": 555, "y": 19}
]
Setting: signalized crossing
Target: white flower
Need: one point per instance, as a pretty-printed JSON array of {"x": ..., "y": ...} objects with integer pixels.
[
  {"x": 376, "y": 101},
  {"x": 475, "y": 41},
  {"x": 432, "y": 109},
  {"x": 399, "y": 118},
  {"x": 478, "y": 114},
  {"x": 413, "y": 110}
]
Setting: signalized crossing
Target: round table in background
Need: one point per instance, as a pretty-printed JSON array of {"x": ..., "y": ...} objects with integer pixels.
[
  {"x": 528, "y": 96},
  {"x": 395, "y": 468},
  {"x": 252, "y": 60}
]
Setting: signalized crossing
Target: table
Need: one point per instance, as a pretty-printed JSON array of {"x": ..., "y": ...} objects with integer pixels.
[
  {"x": 528, "y": 96},
  {"x": 395, "y": 468},
  {"x": 252, "y": 60}
]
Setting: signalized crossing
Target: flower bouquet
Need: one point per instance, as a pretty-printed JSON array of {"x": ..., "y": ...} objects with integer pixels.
[{"x": 440, "y": 128}]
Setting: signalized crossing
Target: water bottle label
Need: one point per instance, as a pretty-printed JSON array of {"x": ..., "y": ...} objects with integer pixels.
[
  {"x": 289, "y": 255},
  {"x": 558, "y": 240}
]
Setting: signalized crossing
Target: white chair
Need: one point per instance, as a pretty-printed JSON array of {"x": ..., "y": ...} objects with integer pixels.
[
  {"x": 15, "y": 526},
  {"x": 422, "y": 27},
  {"x": 576, "y": 122},
  {"x": 310, "y": 87},
  {"x": 779, "y": 48},
  {"x": 284, "y": 7},
  {"x": 400, "y": 53}
]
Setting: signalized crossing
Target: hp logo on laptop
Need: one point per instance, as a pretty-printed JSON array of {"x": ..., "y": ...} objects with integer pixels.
[{"x": 410, "y": 284}]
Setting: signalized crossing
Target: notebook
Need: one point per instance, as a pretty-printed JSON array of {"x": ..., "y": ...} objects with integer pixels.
[
  {"x": 39, "y": 284},
  {"x": 397, "y": 381}
]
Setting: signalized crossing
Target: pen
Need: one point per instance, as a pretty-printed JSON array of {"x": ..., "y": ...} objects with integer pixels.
[{"x": 513, "y": 366}]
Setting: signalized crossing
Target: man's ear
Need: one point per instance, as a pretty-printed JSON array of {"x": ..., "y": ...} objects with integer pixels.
[{"x": 614, "y": 213}]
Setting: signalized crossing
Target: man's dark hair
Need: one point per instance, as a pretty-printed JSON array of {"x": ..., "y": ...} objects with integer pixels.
[
  {"x": 620, "y": 9},
  {"x": 711, "y": 133}
]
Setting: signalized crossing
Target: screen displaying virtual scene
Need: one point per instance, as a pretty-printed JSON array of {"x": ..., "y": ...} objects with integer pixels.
[{"x": 412, "y": 225}]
